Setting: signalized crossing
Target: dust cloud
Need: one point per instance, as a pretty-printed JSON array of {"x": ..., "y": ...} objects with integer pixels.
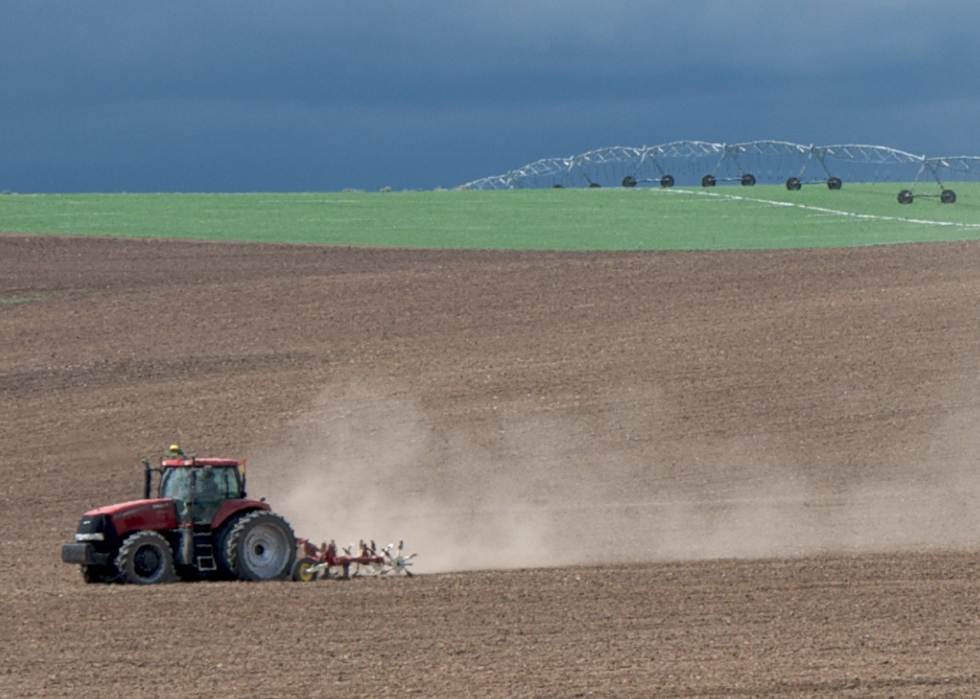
[{"x": 524, "y": 488}]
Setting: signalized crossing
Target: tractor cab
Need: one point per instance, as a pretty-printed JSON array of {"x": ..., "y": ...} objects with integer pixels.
[
  {"x": 198, "y": 487},
  {"x": 202, "y": 487}
]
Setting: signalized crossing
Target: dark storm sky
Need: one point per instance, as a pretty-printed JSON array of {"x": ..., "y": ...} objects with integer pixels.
[{"x": 301, "y": 96}]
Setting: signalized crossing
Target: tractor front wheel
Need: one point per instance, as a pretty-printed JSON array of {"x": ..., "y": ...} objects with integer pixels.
[
  {"x": 145, "y": 558},
  {"x": 261, "y": 546},
  {"x": 98, "y": 574}
]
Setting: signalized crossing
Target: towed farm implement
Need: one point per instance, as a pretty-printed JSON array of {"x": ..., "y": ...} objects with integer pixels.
[
  {"x": 325, "y": 561},
  {"x": 203, "y": 526}
]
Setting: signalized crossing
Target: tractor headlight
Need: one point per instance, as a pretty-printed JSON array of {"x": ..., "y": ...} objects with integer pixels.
[{"x": 94, "y": 536}]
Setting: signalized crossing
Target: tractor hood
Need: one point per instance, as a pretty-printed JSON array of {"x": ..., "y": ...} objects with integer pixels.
[
  {"x": 118, "y": 508},
  {"x": 156, "y": 514}
]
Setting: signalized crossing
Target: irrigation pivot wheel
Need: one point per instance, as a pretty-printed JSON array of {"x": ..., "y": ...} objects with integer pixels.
[
  {"x": 948, "y": 196},
  {"x": 708, "y": 181},
  {"x": 667, "y": 181},
  {"x": 629, "y": 181},
  {"x": 794, "y": 184},
  {"x": 834, "y": 183},
  {"x": 747, "y": 180},
  {"x": 905, "y": 196}
]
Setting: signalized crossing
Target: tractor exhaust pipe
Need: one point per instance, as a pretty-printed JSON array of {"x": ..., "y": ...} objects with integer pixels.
[
  {"x": 147, "y": 479},
  {"x": 187, "y": 525}
]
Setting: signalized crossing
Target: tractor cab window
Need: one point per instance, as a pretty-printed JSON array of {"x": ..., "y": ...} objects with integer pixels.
[
  {"x": 217, "y": 484},
  {"x": 210, "y": 484}
]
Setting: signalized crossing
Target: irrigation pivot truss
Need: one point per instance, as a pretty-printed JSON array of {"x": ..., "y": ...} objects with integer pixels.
[{"x": 705, "y": 164}]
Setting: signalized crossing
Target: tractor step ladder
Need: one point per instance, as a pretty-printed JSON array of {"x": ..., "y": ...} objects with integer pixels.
[{"x": 204, "y": 548}]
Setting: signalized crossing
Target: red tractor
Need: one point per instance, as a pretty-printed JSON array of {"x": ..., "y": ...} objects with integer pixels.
[{"x": 201, "y": 525}]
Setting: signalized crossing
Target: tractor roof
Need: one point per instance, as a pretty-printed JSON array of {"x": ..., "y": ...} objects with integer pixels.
[{"x": 198, "y": 461}]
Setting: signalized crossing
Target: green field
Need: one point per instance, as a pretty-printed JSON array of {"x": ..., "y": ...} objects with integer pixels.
[{"x": 564, "y": 219}]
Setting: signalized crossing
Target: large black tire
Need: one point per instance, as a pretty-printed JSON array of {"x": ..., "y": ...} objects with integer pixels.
[
  {"x": 98, "y": 574},
  {"x": 667, "y": 181},
  {"x": 708, "y": 181},
  {"x": 145, "y": 558},
  {"x": 948, "y": 196},
  {"x": 226, "y": 568},
  {"x": 794, "y": 184},
  {"x": 261, "y": 546},
  {"x": 629, "y": 181},
  {"x": 834, "y": 183},
  {"x": 747, "y": 180},
  {"x": 905, "y": 196}
]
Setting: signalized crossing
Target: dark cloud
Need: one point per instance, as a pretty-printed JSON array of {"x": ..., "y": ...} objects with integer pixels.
[{"x": 230, "y": 96}]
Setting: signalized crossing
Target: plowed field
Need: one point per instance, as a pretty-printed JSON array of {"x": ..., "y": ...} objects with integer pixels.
[{"x": 729, "y": 474}]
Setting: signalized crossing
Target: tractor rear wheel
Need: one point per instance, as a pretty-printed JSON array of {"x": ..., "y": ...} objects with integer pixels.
[
  {"x": 145, "y": 558},
  {"x": 261, "y": 546},
  {"x": 226, "y": 567}
]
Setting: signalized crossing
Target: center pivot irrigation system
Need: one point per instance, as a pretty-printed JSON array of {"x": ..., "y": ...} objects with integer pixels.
[{"x": 699, "y": 163}]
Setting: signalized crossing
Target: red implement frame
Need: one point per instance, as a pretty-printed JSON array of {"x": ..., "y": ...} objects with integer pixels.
[{"x": 327, "y": 556}]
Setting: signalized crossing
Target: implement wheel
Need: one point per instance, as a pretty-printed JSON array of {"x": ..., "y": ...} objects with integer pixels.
[
  {"x": 948, "y": 196},
  {"x": 303, "y": 570},
  {"x": 708, "y": 181},
  {"x": 834, "y": 183},
  {"x": 667, "y": 181},
  {"x": 905, "y": 196},
  {"x": 794, "y": 184}
]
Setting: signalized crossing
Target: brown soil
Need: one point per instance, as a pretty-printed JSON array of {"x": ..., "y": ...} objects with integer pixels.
[{"x": 727, "y": 474}]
